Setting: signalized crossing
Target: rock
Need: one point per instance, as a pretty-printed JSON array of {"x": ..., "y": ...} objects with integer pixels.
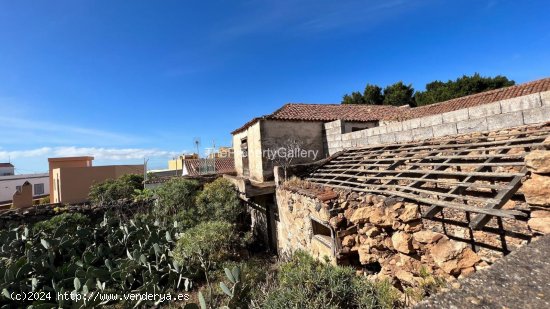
[
  {"x": 379, "y": 218},
  {"x": 509, "y": 205},
  {"x": 368, "y": 199},
  {"x": 468, "y": 259},
  {"x": 326, "y": 196},
  {"x": 411, "y": 227},
  {"x": 445, "y": 250},
  {"x": 405, "y": 277},
  {"x": 467, "y": 271},
  {"x": 337, "y": 221},
  {"x": 360, "y": 215},
  {"x": 345, "y": 250},
  {"x": 537, "y": 190},
  {"x": 373, "y": 231},
  {"x": 402, "y": 242},
  {"x": 388, "y": 243},
  {"x": 538, "y": 161},
  {"x": 348, "y": 241},
  {"x": 540, "y": 225},
  {"x": 348, "y": 213},
  {"x": 450, "y": 267},
  {"x": 365, "y": 257},
  {"x": 409, "y": 213},
  {"x": 540, "y": 214},
  {"x": 397, "y": 206},
  {"x": 427, "y": 236}
]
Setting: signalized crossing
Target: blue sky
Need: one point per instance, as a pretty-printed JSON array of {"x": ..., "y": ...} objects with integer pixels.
[{"x": 123, "y": 80}]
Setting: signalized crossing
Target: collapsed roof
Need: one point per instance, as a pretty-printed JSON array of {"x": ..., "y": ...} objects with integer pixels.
[{"x": 476, "y": 173}]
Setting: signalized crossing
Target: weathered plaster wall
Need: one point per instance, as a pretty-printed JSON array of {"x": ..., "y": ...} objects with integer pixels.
[
  {"x": 72, "y": 184},
  {"x": 524, "y": 110},
  {"x": 271, "y": 135},
  {"x": 253, "y": 135},
  {"x": 276, "y": 134}
]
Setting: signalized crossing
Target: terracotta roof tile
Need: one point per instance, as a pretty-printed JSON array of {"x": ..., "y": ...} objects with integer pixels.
[
  {"x": 486, "y": 97},
  {"x": 325, "y": 112},
  {"x": 223, "y": 165},
  {"x": 6, "y": 165},
  {"x": 364, "y": 113}
]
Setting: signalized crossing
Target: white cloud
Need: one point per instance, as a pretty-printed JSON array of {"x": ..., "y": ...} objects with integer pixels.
[
  {"x": 309, "y": 16},
  {"x": 107, "y": 154},
  {"x": 32, "y": 131},
  {"x": 15, "y": 154}
]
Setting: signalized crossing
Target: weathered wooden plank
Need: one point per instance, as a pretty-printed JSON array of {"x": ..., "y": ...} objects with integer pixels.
[
  {"x": 443, "y": 182},
  {"x": 414, "y": 189},
  {"x": 433, "y": 210},
  {"x": 501, "y": 199},
  {"x": 421, "y": 172},
  {"x": 427, "y": 201}
]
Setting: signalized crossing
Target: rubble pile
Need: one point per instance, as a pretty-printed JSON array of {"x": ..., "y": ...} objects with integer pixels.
[{"x": 386, "y": 239}]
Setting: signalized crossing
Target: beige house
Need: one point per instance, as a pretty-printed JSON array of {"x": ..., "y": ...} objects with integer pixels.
[
  {"x": 72, "y": 177},
  {"x": 293, "y": 134}
]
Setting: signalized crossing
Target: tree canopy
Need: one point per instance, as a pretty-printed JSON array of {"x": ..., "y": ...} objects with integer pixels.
[
  {"x": 437, "y": 91},
  {"x": 399, "y": 94}
]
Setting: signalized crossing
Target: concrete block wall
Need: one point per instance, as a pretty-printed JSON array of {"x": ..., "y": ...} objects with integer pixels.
[{"x": 524, "y": 110}]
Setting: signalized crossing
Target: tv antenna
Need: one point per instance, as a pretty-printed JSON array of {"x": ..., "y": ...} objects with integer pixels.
[{"x": 197, "y": 142}]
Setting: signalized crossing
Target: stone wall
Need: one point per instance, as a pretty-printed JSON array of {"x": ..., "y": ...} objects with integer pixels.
[
  {"x": 298, "y": 211},
  {"x": 524, "y": 110},
  {"x": 537, "y": 189},
  {"x": 381, "y": 237}
]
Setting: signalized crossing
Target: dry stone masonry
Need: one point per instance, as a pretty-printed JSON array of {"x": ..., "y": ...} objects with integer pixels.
[
  {"x": 537, "y": 189},
  {"x": 381, "y": 237},
  {"x": 336, "y": 215}
]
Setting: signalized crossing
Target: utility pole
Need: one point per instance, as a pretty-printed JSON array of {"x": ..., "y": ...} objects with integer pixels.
[{"x": 145, "y": 160}]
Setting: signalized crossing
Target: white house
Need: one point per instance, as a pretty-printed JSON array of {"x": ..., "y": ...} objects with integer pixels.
[{"x": 9, "y": 184}]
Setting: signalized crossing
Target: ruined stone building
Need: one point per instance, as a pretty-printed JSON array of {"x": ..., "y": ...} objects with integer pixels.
[
  {"x": 330, "y": 129},
  {"x": 447, "y": 193},
  {"x": 400, "y": 192},
  {"x": 293, "y": 134}
]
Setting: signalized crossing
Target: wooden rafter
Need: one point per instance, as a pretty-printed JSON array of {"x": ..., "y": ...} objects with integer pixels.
[{"x": 477, "y": 174}]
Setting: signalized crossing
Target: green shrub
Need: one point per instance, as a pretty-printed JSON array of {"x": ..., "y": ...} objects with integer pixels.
[
  {"x": 112, "y": 190},
  {"x": 176, "y": 201},
  {"x": 207, "y": 245},
  {"x": 304, "y": 282},
  {"x": 72, "y": 220},
  {"x": 219, "y": 201},
  {"x": 45, "y": 200},
  {"x": 109, "y": 256}
]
